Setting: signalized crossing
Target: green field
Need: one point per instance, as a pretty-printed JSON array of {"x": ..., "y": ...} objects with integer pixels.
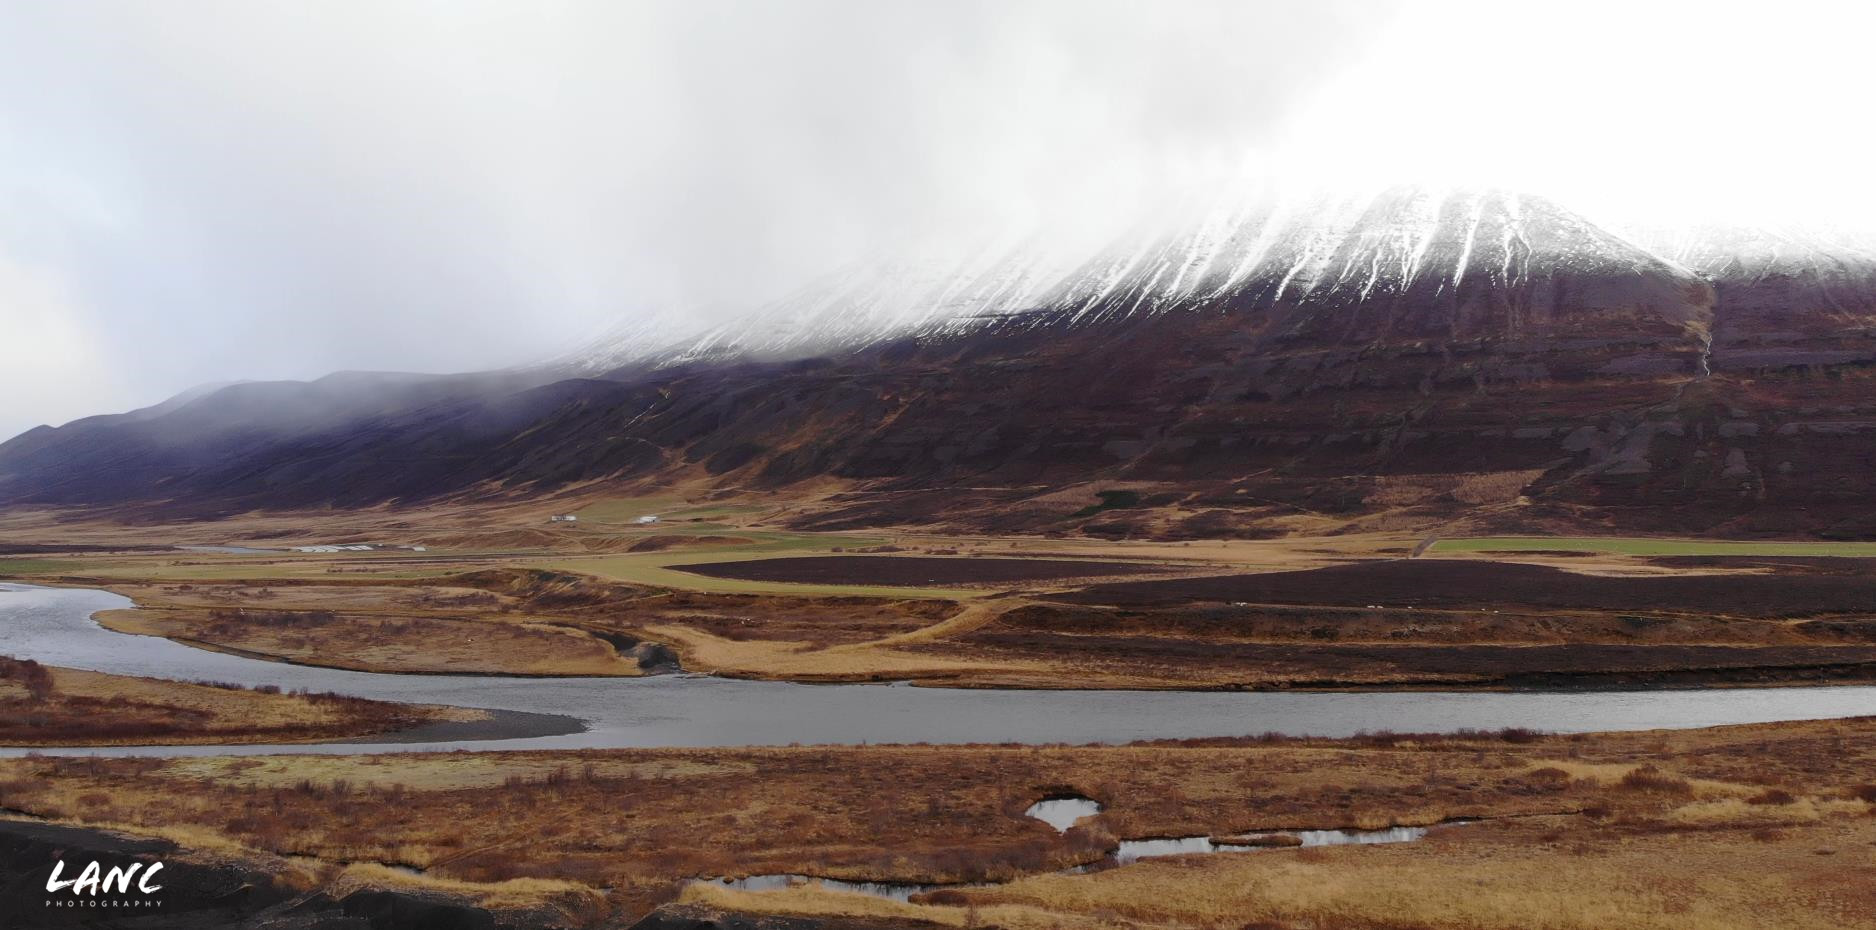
[
  {"x": 15, "y": 567},
  {"x": 1639, "y": 545}
]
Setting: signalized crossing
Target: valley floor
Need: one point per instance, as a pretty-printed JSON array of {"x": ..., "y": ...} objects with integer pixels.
[
  {"x": 726, "y": 589},
  {"x": 1739, "y": 827}
]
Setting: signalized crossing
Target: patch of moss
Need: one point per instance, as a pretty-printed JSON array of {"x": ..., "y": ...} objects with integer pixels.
[{"x": 34, "y": 566}]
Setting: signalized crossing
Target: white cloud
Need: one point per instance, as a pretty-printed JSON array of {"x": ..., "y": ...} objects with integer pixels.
[
  {"x": 50, "y": 369},
  {"x": 253, "y": 189},
  {"x": 293, "y": 188},
  {"x": 1658, "y": 113}
]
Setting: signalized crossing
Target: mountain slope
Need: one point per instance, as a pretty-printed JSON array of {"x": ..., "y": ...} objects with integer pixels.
[
  {"x": 1397, "y": 360},
  {"x": 1791, "y": 298}
]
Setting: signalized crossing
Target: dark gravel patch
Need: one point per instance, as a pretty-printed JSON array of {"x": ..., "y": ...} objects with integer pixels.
[
  {"x": 910, "y": 570},
  {"x": 1459, "y": 583}
]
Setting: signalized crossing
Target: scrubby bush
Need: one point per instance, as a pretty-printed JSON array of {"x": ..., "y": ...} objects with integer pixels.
[
  {"x": 30, "y": 674},
  {"x": 1651, "y": 779}
]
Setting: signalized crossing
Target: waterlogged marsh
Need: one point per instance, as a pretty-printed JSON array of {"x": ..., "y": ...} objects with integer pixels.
[
  {"x": 1751, "y": 805},
  {"x": 1131, "y": 851},
  {"x": 1127, "y": 853}
]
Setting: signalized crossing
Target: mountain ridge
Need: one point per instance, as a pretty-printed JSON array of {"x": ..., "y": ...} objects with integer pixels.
[
  {"x": 1330, "y": 253},
  {"x": 1369, "y": 363}
]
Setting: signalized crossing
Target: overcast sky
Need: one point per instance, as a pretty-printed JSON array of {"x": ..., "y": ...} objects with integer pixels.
[{"x": 197, "y": 191}]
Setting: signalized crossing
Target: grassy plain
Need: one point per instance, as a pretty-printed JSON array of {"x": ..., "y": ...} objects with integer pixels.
[
  {"x": 1725, "y": 828},
  {"x": 583, "y": 598}
]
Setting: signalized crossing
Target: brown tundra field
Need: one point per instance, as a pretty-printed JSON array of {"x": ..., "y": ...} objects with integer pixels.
[{"x": 1742, "y": 826}]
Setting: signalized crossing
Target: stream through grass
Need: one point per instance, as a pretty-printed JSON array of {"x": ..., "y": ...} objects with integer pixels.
[{"x": 1063, "y": 813}]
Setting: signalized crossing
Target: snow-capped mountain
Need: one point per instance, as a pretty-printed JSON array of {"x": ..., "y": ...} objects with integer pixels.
[
  {"x": 1407, "y": 263},
  {"x": 851, "y": 307},
  {"x": 1794, "y": 270},
  {"x": 1336, "y": 358},
  {"x": 1400, "y": 263},
  {"x": 1747, "y": 253}
]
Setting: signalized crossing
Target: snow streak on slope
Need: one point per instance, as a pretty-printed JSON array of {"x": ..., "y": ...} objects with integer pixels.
[
  {"x": 1837, "y": 269},
  {"x": 1402, "y": 262},
  {"x": 858, "y": 305}
]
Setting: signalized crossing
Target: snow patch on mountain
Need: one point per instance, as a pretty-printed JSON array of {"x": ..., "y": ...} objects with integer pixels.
[{"x": 1405, "y": 258}]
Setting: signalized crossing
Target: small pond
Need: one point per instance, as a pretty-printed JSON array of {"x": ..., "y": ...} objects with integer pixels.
[{"x": 1062, "y": 813}]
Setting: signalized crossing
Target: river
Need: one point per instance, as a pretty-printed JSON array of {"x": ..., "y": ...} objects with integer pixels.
[{"x": 55, "y": 626}]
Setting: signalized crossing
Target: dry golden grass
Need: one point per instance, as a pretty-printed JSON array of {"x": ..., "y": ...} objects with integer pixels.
[
  {"x": 1713, "y": 829},
  {"x": 66, "y": 707},
  {"x": 1643, "y": 776},
  {"x": 812, "y": 900},
  {"x": 515, "y": 892},
  {"x": 1481, "y": 877},
  {"x": 378, "y": 643},
  {"x": 448, "y": 772},
  {"x": 973, "y": 616},
  {"x": 799, "y": 661}
]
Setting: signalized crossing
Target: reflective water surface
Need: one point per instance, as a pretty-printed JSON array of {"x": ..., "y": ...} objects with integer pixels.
[
  {"x": 1061, "y": 813},
  {"x": 1130, "y": 851},
  {"x": 54, "y": 625},
  {"x": 1135, "y": 850}
]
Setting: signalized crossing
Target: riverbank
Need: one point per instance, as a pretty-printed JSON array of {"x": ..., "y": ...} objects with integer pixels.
[
  {"x": 55, "y": 626},
  {"x": 47, "y": 706}
]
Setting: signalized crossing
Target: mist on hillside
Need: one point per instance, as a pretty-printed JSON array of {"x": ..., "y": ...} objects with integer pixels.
[{"x": 268, "y": 191}]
